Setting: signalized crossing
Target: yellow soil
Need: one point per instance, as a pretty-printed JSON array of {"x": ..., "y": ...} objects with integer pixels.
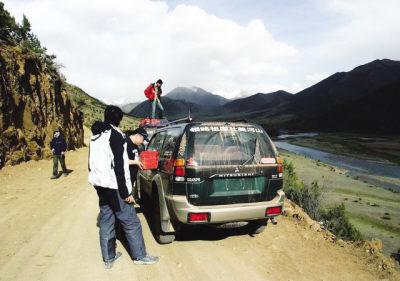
[{"x": 48, "y": 232}]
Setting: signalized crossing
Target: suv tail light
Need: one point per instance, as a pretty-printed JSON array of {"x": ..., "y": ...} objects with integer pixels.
[
  {"x": 273, "y": 211},
  {"x": 279, "y": 167},
  {"x": 179, "y": 170},
  {"x": 198, "y": 217}
]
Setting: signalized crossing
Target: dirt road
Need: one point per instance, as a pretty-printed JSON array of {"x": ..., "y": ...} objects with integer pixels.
[{"x": 48, "y": 232}]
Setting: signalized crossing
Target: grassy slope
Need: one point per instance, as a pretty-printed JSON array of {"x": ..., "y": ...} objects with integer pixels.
[
  {"x": 366, "y": 205},
  {"x": 93, "y": 109}
]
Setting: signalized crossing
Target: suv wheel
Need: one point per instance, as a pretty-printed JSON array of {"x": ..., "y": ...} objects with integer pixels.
[
  {"x": 161, "y": 237},
  {"x": 256, "y": 227}
]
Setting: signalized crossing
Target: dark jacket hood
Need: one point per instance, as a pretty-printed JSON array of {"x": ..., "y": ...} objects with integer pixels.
[{"x": 99, "y": 127}]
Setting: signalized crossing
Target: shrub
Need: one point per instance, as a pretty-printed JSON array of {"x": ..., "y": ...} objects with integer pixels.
[
  {"x": 307, "y": 197},
  {"x": 336, "y": 221},
  {"x": 310, "y": 199}
]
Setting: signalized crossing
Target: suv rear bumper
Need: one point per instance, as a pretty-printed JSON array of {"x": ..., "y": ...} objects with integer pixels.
[{"x": 225, "y": 213}]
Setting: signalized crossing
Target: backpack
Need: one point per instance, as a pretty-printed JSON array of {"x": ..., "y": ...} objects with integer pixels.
[
  {"x": 101, "y": 159},
  {"x": 149, "y": 92}
]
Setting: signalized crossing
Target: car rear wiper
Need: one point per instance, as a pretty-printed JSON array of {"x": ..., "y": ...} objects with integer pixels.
[
  {"x": 252, "y": 156},
  {"x": 245, "y": 162}
]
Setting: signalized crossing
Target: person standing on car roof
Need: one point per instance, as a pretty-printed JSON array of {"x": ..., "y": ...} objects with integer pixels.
[
  {"x": 109, "y": 174},
  {"x": 58, "y": 147},
  {"x": 153, "y": 93}
]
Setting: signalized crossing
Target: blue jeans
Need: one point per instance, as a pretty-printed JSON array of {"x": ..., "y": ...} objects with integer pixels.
[
  {"x": 155, "y": 103},
  {"x": 130, "y": 222}
]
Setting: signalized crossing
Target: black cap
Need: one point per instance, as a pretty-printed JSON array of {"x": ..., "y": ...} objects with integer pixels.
[{"x": 141, "y": 132}]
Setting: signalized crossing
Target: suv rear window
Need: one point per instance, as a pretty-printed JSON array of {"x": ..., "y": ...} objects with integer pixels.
[{"x": 228, "y": 145}]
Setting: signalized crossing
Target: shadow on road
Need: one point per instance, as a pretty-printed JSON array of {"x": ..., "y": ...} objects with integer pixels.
[
  {"x": 198, "y": 232},
  {"x": 60, "y": 173}
]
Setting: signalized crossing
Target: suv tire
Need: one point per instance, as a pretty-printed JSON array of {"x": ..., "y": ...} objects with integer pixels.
[
  {"x": 159, "y": 235},
  {"x": 256, "y": 227}
]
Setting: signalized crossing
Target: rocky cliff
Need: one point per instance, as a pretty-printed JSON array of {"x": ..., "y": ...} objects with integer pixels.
[{"x": 33, "y": 102}]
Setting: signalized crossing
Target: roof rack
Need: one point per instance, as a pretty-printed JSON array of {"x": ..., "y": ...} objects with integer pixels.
[
  {"x": 182, "y": 120},
  {"x": 187, "y": 119},
  {"x": 170, "y": 123},
  {"x": 227, "y": 121}
]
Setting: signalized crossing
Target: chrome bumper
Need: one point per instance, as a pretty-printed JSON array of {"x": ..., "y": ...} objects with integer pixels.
[{"x": 224, "y": 213}]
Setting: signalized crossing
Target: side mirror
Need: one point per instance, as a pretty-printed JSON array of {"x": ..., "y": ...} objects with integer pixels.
[{"x": 149, "y": 159}]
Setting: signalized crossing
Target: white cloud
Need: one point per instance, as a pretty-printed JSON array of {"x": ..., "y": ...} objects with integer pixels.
[
  {"x": 370, "y": 31},
  {"x": 315, "y": 78},
  {"x": 113, "y": 49}
]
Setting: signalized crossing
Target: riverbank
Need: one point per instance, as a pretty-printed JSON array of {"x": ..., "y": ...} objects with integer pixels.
[
  {"x": 372, "y": 209},
  {"x": 377, "y": 148},
  {"x": 374, "y": 172}
]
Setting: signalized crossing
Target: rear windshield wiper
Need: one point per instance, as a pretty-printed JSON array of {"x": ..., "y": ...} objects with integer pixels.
[
  {"x": 252, "y": 156},
  {"x": 245, "y": 162}
]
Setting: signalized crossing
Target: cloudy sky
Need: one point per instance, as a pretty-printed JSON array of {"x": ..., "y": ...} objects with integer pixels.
[{"x": 114, "y": 49}]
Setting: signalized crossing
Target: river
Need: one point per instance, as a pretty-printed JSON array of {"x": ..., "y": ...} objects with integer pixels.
[{"x": 358, "y": 167}]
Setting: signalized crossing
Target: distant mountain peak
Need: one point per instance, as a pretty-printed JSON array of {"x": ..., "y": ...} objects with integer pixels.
[
  {"x": 196, "y": 95},
  {"x": 258, "y": 101},
  {"x": 195, "y": 89}
]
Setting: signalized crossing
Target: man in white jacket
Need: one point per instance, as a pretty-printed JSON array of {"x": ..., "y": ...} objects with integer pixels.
[{"x": 109, "y": 174}]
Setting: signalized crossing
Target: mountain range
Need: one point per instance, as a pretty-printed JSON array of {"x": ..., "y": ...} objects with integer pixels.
[
  {"x": 365, "y": 99},
  {"x": 179, "y": 101}
]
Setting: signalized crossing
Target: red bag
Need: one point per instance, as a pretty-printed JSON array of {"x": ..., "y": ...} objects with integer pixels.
[
  {"x": 145, "y": 121},
  {"x": 148, "y": 121},
  {"x": 150, "y": 92},
  {"x": 149, "y": 159}
]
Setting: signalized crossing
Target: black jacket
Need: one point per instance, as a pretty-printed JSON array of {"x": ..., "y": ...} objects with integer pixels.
[
  {"x": 117, "y": 142},
  {"x": 133, "y": 154},
  {"x": 58, "y": 145}
]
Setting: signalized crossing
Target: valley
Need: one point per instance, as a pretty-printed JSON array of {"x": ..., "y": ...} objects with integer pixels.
[{"x": 374, "y": 210}]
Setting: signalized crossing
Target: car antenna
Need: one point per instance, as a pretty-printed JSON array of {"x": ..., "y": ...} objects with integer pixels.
[{"x": 189, "y": 117}]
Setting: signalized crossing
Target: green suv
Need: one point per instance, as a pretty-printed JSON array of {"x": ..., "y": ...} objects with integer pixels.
[{"x": 213, "y": 173}]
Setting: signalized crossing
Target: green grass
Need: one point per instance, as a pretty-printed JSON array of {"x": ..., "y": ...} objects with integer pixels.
[
  {"x": 366, "y": 205},
  {"x": 93, "y": 109},
  {"x": 373, "y": 222},
  {"x": 373, "y": 229},
  {"x": 367, "y": 195}
]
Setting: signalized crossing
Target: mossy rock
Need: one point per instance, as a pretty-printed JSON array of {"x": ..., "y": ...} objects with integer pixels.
[
  {"x": 17, "y": 157},
  {"x": 10, "y": 132},
  {"x": 21, "y": 136}
]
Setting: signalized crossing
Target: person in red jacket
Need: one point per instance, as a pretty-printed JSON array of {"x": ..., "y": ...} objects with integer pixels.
[{"x": 153, "y": 93}]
